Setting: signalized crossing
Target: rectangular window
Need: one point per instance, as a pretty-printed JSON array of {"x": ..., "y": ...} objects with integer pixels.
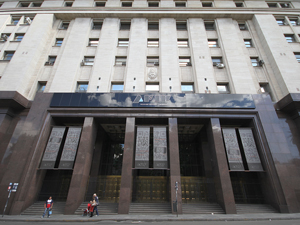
[
  {"x": 294, "y": 21},
  {"x": 290, "y": 38},
  {"x": 97, "y": 24},
  {"x": 255, "y": 62},
  {"x": 18, "y": 37},
  {"x": 8, "y": 55},
  {"x": 223, "y": 88},
  {"x": 239, "y": 4},
  {"x": 242, "y": 26},
  {"x": 272, "y": 5},
  {"x": 180, "y": 4},
  {"x": 248, "y": 43},
  {"x": 153, "y": 25},
  {"x": 213, "y": 43},
  {"x": 187, "y": 87},
  {"x": 15, "y": 20},
  {"x": 297, "y": 55},
  {"x": 216, "y": 61},
  {"x": 120, "y": 61},
  {"x": 209, "y": 25},
  {"x": 184, "y": 61},
  {"x": 280, "y": 21},
  {"x": 117, "y": 87},
  {"x": 36, "y": 4},
  {"x": 123, "y": 42},
  {"x": 181, "y": 25},
  {"x": 152, "y": 87},
  {"x": 93, "y": 42},
  {"x": 64, "y": 25},
  {"x": 68, "y": 4},
  {"x": 126, "y": 4},
  {"x": 51, "y": 61},
  {"x": 285, "y": 5},
  {"x": 182, "y": 43},
  {"x": 153, "y": 4},
  {"x": 153, "y": 43},
  {"x": 153, "y": 61},
  {"x": 125, "y": 26},
  {"x": 5, "y": 36},
  {"x": 24, "y": 4},
  {"x": 207, "y": 4},
  {"x": 58, "y": 42},
  {"x": 88, "y": 61},
  {"x": 82, "y": 87},
  {"x": 41, "y": 86},
  {"x": 100, "y": 4}
]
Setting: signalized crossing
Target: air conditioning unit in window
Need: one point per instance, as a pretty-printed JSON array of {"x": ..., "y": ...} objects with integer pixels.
[
  {"x": 4, "y": 37},
  {"x": 220, "y": 65},
  {"x": 28, "y": 20}
]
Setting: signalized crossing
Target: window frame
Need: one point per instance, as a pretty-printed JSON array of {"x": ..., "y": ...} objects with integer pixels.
[
  {"x": 227, "y": 89},
  {"x": 181, "y": 26},
  {"x": 51, "y": 60},
  {"x": 123, "y": 42},
  {"x": 100, "y": 3},
  {"x": 154, "y": 40},
  {"x": 180, "y": 4},
  {"x": 290, "y": 38},
  {"x": 152, "y": 87},
  {"x": 126, "y": 4},
  {"x": 14, "y": 19},
  {"x": 120, "y": 60},
  {"x": 186, "y": 85},
  {"x": 183, "y": 43},
  {"x": 209, "y": 25},
  {"x": 58, "y": 42},
  {"x": 97, "y": 24},
  {"x": 297, "y": 55},
  {"x": 248, "y": 43},
  {"x": 88, "y": 60},
  {"x": 41, "y": 86},
  {"x": 7, "y": 56},
  {"x": 207, "y": 4},
  {"x": 153, "y": 4},
  {"x": 153, "y": 25},
  {"x": 211, "y": 45},
  {"x": 184, "y": 61},
  {"x": 23, "y": 4},
  {"x": 93, "y": 42},
  {"x": 216, "y": 61},
  {"x": 68, "y": 3},
  {"x": 17, "y": 37},
  {"x": 152, "y": 61},
  {"x": 64, "y": 25},
  {"x": 125, "y": 25},
  {"x": 117, "y": 84},
  {"x": 79, "y": 86}
]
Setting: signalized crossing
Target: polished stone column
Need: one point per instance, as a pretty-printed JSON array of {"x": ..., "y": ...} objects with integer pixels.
[
  {"x": 82, "y": 166},
  {"x": 126, "y": 179},
  {"x": 223, "y": 185},
  {"x": 174, "y": 164}
]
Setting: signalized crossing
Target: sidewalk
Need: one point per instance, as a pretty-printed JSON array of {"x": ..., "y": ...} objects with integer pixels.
[{"x": 161, "y": 217}]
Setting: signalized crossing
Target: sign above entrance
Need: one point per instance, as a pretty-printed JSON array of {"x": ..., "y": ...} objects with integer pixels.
[{"x": 165, "y": 100}]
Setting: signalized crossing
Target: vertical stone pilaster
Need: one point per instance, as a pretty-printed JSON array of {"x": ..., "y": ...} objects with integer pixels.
[
  {"x": 82, "y": 166},
  {"x": 126, "y": 179}
]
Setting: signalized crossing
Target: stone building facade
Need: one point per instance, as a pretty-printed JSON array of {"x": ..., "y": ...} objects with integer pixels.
[{"x": 130, "y": 99}]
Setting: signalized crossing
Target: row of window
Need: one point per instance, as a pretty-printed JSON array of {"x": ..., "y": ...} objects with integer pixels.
[
  {"x": 153, "y": 3},
  {"x": 17, "y": 37},
  {"x": 285, "y": 21}
]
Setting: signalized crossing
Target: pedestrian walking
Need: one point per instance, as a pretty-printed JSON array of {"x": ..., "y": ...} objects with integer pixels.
[
  {"x": 97, "y": 203},
  {"x": 48, "y": 207}
]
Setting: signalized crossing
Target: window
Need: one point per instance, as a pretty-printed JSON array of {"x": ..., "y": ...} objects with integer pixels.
[
  {"x": 24, "y": 4},
  {"x": 18, "y": 37},
  {"x": 285, "y": 5},
  {"x": 272, "y": 5},
  {"x": 223, "y": 88},
  {"x": 126, "y": 4},
  {"x": 181, "y": 25},
  {"x": 120, "y": 61},
  {"x": 152, "y": 87},
  {"x": 207, "y": 4},
  {"x": 68, "y": 4},
  {"x": 4, "y": 36},
  {"x": 294, "y": 21},
  {"x": 184, "y": 61},
  {"x": 123, "y": 42},
  {"x": 297, "y": 55},
  {"x": 265, "y": 89},
  {"x": 242, "y": 26},
  {"x": 88, "y": 61},
  {"x": 93, "y": 42},
  {"x": 51, "y": 61},
  {"x": 187, "y": 87},
  {"x": 97, "y": 24},
  {"x": 280, "y": 21},
  {"x": 153, "y": 26},
  {"x": 182, "y": 43},
  {"x": 217, "y": 61},
  {"x": 153, "y": 4},
  {"x": 239, "y": 4},
  {"x": 213, "y": 43},
  {"x": 8, "y": 55},
  {"x": 153, "y": 61},
  {"x": 82, "y": 87},
  {"x": 180, "y": 4},
  {"x": 290, "y": 38},
  {"x": 117, "y": 87},
  {"x": 100, "y": 4},
  {"x": 248, "y": 43},
  {"x": 58, "y": 42},
  {"x": 125, "y": 26},
  {"x": 64, "y": 25},
  {"x": 15, "y": 20},
  {"x": 256, "y": 62},
  {"x": 36, "y": 4},
  {"x": 41, "y": 86},
  {"x": 209, "y": 25},
  {"x": 153, "y": 43}
]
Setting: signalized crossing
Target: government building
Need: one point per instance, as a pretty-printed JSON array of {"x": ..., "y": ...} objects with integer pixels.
[{"x": 158, "y": 106}]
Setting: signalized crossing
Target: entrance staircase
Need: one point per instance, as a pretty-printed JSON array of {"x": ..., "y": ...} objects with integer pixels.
[
  {"x": 254, "y": 208},
  {"x": 38, "y": 208},
  {"x": 150, "y": 208},
  {"x": 202, "y": 208},
  {"x": 103, "y": 208}
]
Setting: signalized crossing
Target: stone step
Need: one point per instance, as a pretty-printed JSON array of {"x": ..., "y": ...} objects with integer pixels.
[
  {"x": 150, "y": 208},
  {"x": 38, "y": 208},
  {"x": 202, "y": 208},
  {"x": 103, "y": 208},
  {"x": 254, "y": 208}
]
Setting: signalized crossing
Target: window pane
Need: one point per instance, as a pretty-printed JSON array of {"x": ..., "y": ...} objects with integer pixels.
[
  {"x": 64, "y": 25},
  {"x": 212, "y": 43},
  {"x": 97, "y": 25},
  {"x": 285, "y": 5},
  {"x": 126, "y": 4},
  {"x": 152, "y": 87},
  {"x": 58, "y": 42},
  {"x": 8, "y": 55},
  {"x": 94, "y": 42},
  {"x": 223, "y": 88},
  {"x": 183, "y": 61},
  {"x": 187, "y": 88},
  {"x": 216, "y": 61},
  {"x": 181, "y": 26},
  {"x": 117, "y": 87},
  {"x": 254, "y": 61},
  {"x": 182, "y": 43},
  {"x": 180, "y": 4},
  {"x": 125, "y": 26},
  {"x": 153, "y": 43},
  {"x": 89, "y": 61},
  {"x": 152, "y": 61},
  {"x": 280, "y": 22},
  {"x": 209, "y": 25},
  {"x": 242, "y": 26},
  {"x": 272, "y": 5},
  {"x": 82, "y": 87},
  {"x": 153, "y": 26},
  {"x": 99, "y": 4},
  {"x": 120, "y": 61},
  {"x": 153, "y": 4},
  {"x": 18, "y": 37},
  {"x": 290, "y": 38},
  {"x": 297, "y": 57},
  {"x": 123, "y": 42},
  {"x": 248, "y": 43},
  {"x": 207, "y": 4}
]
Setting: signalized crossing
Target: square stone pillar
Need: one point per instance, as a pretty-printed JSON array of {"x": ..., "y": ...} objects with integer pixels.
[
  {"x": 221, "y": 174},
  {"x": 82, "y": 166},
  {"x": 126, "y": 179},
  {"x": 174, "y": 164}
]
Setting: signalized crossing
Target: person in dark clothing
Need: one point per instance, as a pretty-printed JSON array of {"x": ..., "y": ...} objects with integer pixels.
[{"x": 97, "y": 203}]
